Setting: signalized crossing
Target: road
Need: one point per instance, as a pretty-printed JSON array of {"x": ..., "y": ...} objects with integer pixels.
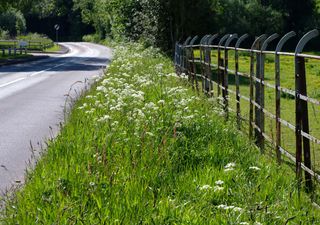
[{"x": 32, "y": 100}]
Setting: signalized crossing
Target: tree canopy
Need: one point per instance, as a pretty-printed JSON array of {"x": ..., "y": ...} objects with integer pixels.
[{"x": 158, "y": 22}]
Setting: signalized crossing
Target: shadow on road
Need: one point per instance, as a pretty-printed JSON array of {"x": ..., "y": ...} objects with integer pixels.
[{"x": 54, "y": 64}]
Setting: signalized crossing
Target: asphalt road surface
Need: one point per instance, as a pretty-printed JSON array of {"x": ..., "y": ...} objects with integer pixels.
[{"x": 32, "y": 100}]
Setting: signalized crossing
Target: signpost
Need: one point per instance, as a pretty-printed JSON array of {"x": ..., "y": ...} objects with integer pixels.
[{"x": 57, "y": 27}]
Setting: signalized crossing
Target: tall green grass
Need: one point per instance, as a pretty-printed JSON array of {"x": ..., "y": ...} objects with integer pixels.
[{"x": 141, "y": 148}]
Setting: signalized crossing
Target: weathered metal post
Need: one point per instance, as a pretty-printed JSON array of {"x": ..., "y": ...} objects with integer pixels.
[
  {"x": 193, "y": 66},
  {"x": 185, "y": 55},
  {"x": 202, "y": 60},
  {"x": 177, "y": 58},
  {"x": 254, "y": 46},
  {"x": 204, "y": 68},
  {"x": 240, "y": 40},
  {"x": 176, "y": 54},
  {"x": 225, "y": 80},
  {"x": 279, "y": 47},
  {"x": 209, "y": 84},
  {"x": 220, "y": 62},
  {"x": 302, "y": 118},
  {"x": 260, "y": 117}
]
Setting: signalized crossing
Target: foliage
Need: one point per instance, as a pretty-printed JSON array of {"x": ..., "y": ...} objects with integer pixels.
[
  {"x": 163, "y": 22},
  {"x": 91, "y": 38},
  {"x": 12, "y": 21},
  {"x": 4, "y": 35},
  {"x": 141, "y": 148}
]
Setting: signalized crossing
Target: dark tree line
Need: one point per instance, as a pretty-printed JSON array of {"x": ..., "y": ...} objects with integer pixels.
[{"x": 158, "y": 22}]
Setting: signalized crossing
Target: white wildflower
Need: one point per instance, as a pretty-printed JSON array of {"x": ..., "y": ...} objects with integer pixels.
[
  {"x": 115, "y": 123},
  {"x": 102, "y": 89},
  {"x": 161, "y": 102},
  {"x": 244, "y": 223},
  {"x": 229, "y": 167},
  {"x": 90, "y": 111},
  {"x": 219, "y": 182},
  {"x": 104, "y": 118},
  {"x": 150, "y": 134},
  {"x": 237, "y": 209},
  {"x": 225, "y": 207},
  {"x": 205, "y": 187},
  {"x": 92, "y": 184},
  {"x": 254, "y": 168},
  {"x": 217, "y": 188},
  {"x": 231, "y": 207},
  {"x": 189, "y": 117}
]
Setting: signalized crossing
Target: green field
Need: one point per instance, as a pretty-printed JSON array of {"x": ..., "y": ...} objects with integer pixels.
[
  {"x": 54, "y": 48},
  {"x": 141, "y": 148}
]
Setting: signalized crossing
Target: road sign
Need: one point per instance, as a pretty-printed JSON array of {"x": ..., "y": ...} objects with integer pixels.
[{"x": 57, "y": 27}]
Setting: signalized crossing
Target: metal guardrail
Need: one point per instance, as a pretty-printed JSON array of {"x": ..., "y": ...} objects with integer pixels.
[{"x": 201, "y": 69}]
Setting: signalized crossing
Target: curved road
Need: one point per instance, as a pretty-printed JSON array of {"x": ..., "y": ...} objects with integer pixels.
[{"x": 32, "y": 99}]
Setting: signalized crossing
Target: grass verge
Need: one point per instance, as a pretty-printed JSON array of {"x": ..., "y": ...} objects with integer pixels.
[
  {"x": 140, "y": 148},
  {"x": 54, "y": 48}
]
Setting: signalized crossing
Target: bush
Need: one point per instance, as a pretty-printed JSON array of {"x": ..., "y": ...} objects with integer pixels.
[{"x": 91, "y": 38}]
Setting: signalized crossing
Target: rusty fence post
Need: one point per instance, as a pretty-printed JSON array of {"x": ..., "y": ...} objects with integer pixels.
[
  {"x": 225, "y": 80},
  {"x": 302, "y": 118},
  {"x": 252, "y": 74},
  {"x": 261, "y": 120},
  {"x": 279, "y": 47},
  {"x": 236, "y": 57},
  {"x": 209, "y": 84}
]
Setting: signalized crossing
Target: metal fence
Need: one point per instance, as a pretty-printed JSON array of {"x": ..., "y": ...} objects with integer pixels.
[{"x": 207, "y": 63}]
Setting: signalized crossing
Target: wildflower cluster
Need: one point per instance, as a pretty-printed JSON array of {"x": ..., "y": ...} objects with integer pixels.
[{"x": 139, "y": 102}]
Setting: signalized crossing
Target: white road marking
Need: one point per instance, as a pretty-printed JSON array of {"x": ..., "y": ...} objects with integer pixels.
[
  {"x": 37, "y": 73},
  {"x": 12, "y": 82},
  {"x": 31, "y": 75}
]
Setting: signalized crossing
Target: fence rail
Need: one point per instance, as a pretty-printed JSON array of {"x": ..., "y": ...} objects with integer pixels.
[
  {"x": 29, "y": 45},
  {"x": 194, "y": 58}
]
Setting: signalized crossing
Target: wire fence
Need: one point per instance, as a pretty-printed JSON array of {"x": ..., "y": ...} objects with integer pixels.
[{"x": 265, "y": 90}]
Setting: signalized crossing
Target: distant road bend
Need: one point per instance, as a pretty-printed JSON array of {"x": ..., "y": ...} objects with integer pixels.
[{"x": 32, "y": 98}]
